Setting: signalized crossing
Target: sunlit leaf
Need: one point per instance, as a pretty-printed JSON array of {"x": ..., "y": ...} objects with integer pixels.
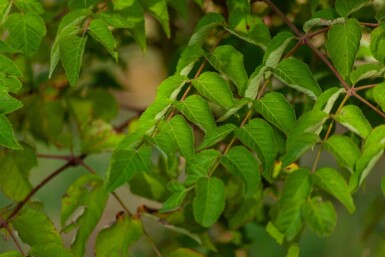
[
  {"x": 188, "y": 58},
  {"x": 7, "y": 137},
  {"x": 347, "y": 7},
  {"x": 379, "y": 95},
  {"x": 351, "y": 117},
  {"x": 276, "y": 48},
  {"x": 326, "y": 100},
  {"x": 158, "y": 8},
  {"x": 100, "y": 32},
  {"x": 30, "y": 6},
  {"x": 216, "y": 135}
]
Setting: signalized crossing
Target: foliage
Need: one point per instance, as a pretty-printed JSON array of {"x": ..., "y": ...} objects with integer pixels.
[{"x": 222, "y": 145}]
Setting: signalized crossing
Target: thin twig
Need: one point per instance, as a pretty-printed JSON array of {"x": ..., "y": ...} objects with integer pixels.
[
  {"x": 367, "y": 24},
  {"x": 55, "y": 157},
  {"x": 316, "y": 33},
  {"x": 4, "y": 224},
  {"x": 364, "y": 87},
  {"x": 371, "y": 106}
]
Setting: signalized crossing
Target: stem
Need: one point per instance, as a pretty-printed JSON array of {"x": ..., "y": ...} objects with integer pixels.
[
  {"x": 364, "y": 87},
  {"x": 55, "y": 157},
  {"x": 311, "y": 35},
  {"x": 367, "y": 24},
  {"x": 153, "y": 246},
  {"x": 4, "y": 224},
  {"x": 371, "y": 106}
]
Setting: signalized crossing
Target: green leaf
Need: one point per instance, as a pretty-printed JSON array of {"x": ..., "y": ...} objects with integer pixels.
[
  {"x": 274, "y": 233},
  {"x": 309, "y": 122},
  {"x": 204, "y": 27},
  {"x": 297, "y": 187},
  {"x": 351, "y": 117},
  {"x": 277, "y": 110},
  {"x": 75, "y": 4},
  {"x": 8, "y": 104},
  {"x": 156, "y": 111},
  {"x": 135, "y": 14},
  {"x": 293, "y": 251},
  {"x": 326, "y": 100},
  {"x": 88, "y": 194},
  {"x": 379, "y": 95},
  {"x": 209, "y": 201},
  {"x": 200, "y": 164},
  {"x": 196, "y": 110},
  {"x": 185, "y": 252},
  {"x": 122, "y": 4},
  {"x": 188, "y": 58},
  {"x": 252, "y": 85},
  {"x": 229, "y": 61},
  {"x": 115, "y": 240},
  {"x": 239, "y": 104},
  {"x": 296, "y": 146},
  {"x": 11, "y": 254},
  {"x": 69, "y": 25},
  {"x": 8, "y": 67},
  {"x": 289, "y": 220},
  {"x": 321, "y": 216},
  {"x": 212, "y": 86},
  {"x": 158, "y": 9},
  {"x": 12, "y": 84},
  {"x": 15, "y": 167},
  {"x": 37, "y": 230},
  {"x": 116, "y": 20},
  {"x": 99, "y": 30},
  {"x": 180, "y": 7},
  {"x": 376, "y": 137},
  {"x": 29, "y": 6},
  {"x": 365, "y": 71},
  {"x": 240, "y": 162},
  {"x": 174, "y": 201},
  {"x": 258, "y": 135},
  {"x": 331, "y": 181},
  {"x": 26, "y": 31},
  {"x": 171, "y": 87},
  {"x": 377, "y": 44},
  {"x": 297, "y": 75},
  {"x": 125, "y": 163},
  {"x": 315, "y": 22},
  {"x": 7, "y": 137},
  {"x": 344, "y": 149},
  {"x": 182, "y": 135},
  {"x": 5, "y": 8},
  {"x": 276, "y": 48},
  {"x": 71, "y": 50},
  {"x": 347, "y": 7},
  {"x": 342, "y": 44},
  {"x": 50, "y": 249},
  {"x": 216, "y": 135}
]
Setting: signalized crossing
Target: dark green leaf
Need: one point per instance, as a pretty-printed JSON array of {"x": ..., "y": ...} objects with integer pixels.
[
  {"x": 379, "y": 95},
  {"x": 297, "y": 187},
  {"x": 344, "y": 149},
  {"x": 228, "y": 60},
  {"x": 196, "y": 110},
  {"x": 296, "y": 146},
  {"x": 125, "y": 163},
  {"x": 71, "y": 51},
  {"x": 209, "y": 201},
  {"x": 100, "y": 32},
  {"x": 309, "y": 122},
  {"x": 240, "y": 162},
  {"x": 11, "y": 254},
  {"x": 171, "y": 87},
  {"x": 377, "y": 44},
  {"x": 216, "y": 135},
  {"x": 212, "y": 86},
  {"x": 116, "y": 20},
  {"x": 239, "y": 104},
  {"x": 351, "y": 117},
  {"x": 7, "y": 137},
  {"x": 321, "y": 216},
  {"x": 289, "y": 220},
  {"x": 326, "y": 100},
  {"x": 276, "y": 48},
  {"x": 30, "y": 6},
  {"x": 365, "y": 71},
  {"x": 343, "y": 43},
  {"x": 297, "y": 75},
  {"x": 188, "y": 58},
  {"x": 8, "y": 67},
  {"x": 258, "y": 135},
  {"x": 347, "y": 7},
  {"x": 158, "y": 9},
  {"x": 26, "y": 31},
  {"x": 204, "y": 27},
  {"x": 185, "y": 252},
  {"x": 332, "y": 182},
  {"x": 200, "y": 164},
  {"x": 277, "y": 110}
]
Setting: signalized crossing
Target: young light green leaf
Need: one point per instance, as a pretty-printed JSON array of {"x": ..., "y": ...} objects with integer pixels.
[
  {"x": 71, "y": 50},
  {"x": 196, "y": 110},
  {"x": 274, "y": 233},
  {"x": 326, "y": 100},
  {"x": 276, "y": 48},
  {"x": 86, "y": 193},
  {"x": 204, "y": 27},
  {"x": 29, "y": 6},
  {"x": 377, "y": 44},
  {"x": 379, "y": 95},
  {"x": 200, "y": 164},
  {"x": 171, "y": 87},
  {"x": 229, "y": 61},
  {"x": 297, "y": 75},
  {"x": 347, "y": 7},
  {"x": 344, "y": 149},
  {"x": 258, "y": 135},
  {"x": 7, "y": 136},
  {"x": 351, "y": 117},
  {"x": 277, "y": 110},
  {"x": 212, "y": 86},
  {"x": 158, "y": 9},
  {"x": 209, "y": 200},
  {"x": 115, "y": 240},
  {"x": 15, "y": 167},
  {"x": 296, "y": 146},
  {"x": 182, "y": 135},
  {"x": 122, "y": 4},
  {"x": 239, "y": 104},
  {"x": 8, "y": 67},
  {"x": 125, "y": 163},
  {"x": 365, "y": 71},
  {"x": 185, "y": 252},
  {"x": 99, "y": 30},
  {"x": 216, "y": 135},
  {"x": 240, "y": 162},
  {"x": 321, "y": 216},
  {"x": 252, "y": 86},
  {"x": 342, "y": 44},
  {"x": 188, "y": 58},
  {"x": 293, "y": 251},
  {"x": 26, "y": 31},
  {"x": 333, "y": 183}
]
